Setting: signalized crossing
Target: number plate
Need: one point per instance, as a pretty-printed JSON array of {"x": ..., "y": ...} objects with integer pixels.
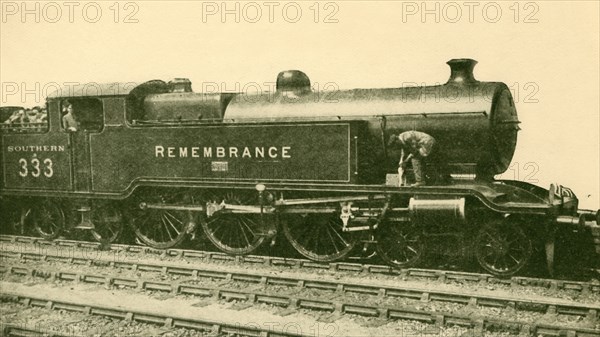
[{"x": 219, "y": 166}]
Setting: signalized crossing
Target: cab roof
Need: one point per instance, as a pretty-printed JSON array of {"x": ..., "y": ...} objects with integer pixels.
[{"x": 92, "y": 89}]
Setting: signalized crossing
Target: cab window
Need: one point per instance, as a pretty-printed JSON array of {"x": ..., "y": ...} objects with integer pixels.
[{"x": 82, "y": 114}]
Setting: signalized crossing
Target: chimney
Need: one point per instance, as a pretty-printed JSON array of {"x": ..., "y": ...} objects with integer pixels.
[{"x": 461, "y": 71}]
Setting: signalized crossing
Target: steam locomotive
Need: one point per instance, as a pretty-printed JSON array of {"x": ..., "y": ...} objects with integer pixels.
[{"x": 314, "y": 166}]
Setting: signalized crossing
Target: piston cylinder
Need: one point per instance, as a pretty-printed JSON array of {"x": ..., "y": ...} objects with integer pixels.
[{"x": 437, "y": 212}]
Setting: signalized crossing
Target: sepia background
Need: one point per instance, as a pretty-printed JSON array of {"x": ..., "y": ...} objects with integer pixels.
[{"x": 546, "y": 52}]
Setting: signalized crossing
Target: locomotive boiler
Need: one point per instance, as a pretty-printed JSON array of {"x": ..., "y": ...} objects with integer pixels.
[
  {"x": 475, "y": 123},
  {"x": 313, "y": 166}
]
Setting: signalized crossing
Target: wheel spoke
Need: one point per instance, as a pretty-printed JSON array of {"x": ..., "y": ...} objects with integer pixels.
[
  {"x": 410, "y": 249},
  {"x": 164, "y": 220},
  {"x": 167, "y": 215},
  {"x": 215, "y": 229},
  {"x": 244, "y": 221},
  {"x": 333, "y": 244},
  {"x": 338, "y": 235},
  {"x": 513, "y": 258},
  {"x": 489, "y": 251},
  {"x": 244, "y": 232},
  {"x": 389, "y": 250}
]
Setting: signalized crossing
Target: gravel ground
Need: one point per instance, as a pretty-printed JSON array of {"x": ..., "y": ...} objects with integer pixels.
[
  {"x": 187, "y": 306},
  {"x": 78, "y": 324}
]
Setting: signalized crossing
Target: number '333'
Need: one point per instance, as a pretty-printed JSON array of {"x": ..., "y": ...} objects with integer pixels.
[{"x": 35, "y": 167}]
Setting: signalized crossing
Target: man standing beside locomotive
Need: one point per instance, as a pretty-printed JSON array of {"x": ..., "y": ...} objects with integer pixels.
[{"x": 419, "y": 146}]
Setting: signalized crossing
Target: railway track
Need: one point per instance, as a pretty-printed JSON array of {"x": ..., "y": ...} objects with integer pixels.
[
  {"x": 304, "y": 264},
  {"x": 15, "y": 330},
  {"x": 170, "y": 321},
  {"x": 333, "y": 305},
  {"x": 381, "y": 291}
]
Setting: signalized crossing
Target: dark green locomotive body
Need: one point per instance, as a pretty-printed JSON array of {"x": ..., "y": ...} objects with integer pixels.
[{"x": 314, "y": 159}]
